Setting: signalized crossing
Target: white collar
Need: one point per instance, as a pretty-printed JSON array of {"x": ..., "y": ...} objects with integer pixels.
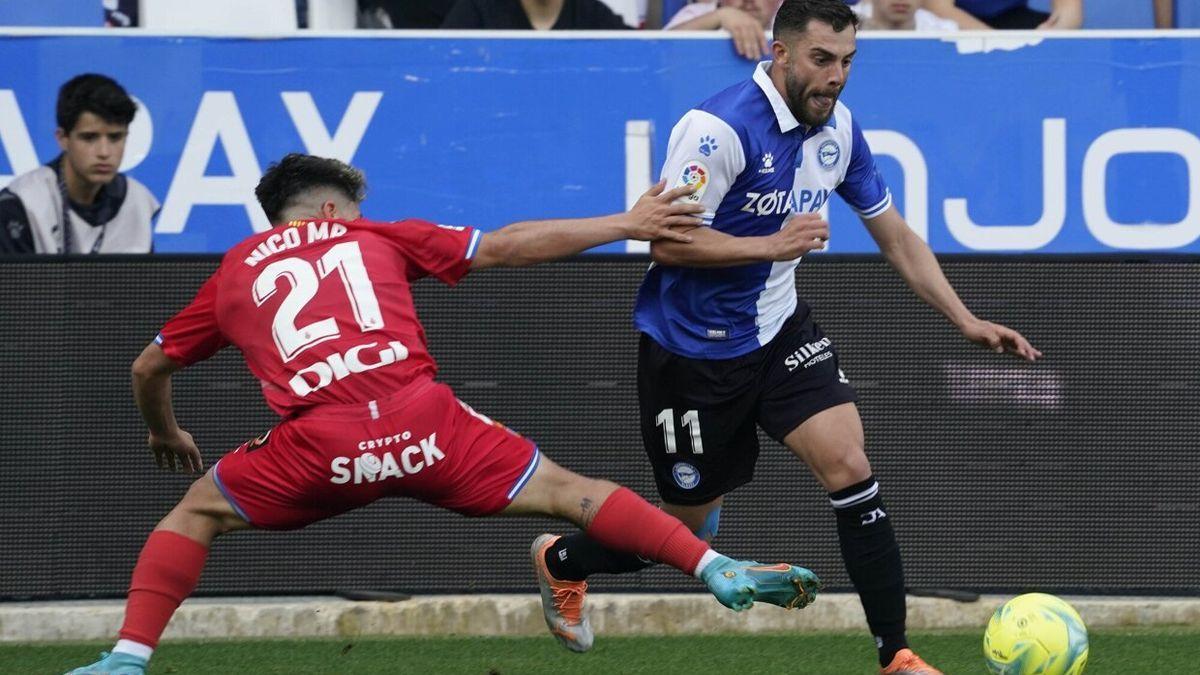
[{"x": 762, "y": 77}]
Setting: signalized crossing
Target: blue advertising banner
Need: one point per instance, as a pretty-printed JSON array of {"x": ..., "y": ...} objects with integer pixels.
[{"x": 1016, "y": 143}]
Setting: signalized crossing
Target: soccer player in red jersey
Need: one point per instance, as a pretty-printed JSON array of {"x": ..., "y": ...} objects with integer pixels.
[{"x": 321, "y": 309}]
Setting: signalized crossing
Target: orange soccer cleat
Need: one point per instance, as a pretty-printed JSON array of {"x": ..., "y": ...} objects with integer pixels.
[
  {"x": 562, "y": 601},
  {"x": 906, "y": 662}
]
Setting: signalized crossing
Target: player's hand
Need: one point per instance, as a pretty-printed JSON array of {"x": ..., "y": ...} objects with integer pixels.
[
  {"x": 176, "y": 450},
  {"x": 656, "y": 213},
  {"x": 749, "y": 37},
  {"x": 1067, "y": 18},
  {"x": 999, "y": 339},
  {"x": 801, "y": 233}
]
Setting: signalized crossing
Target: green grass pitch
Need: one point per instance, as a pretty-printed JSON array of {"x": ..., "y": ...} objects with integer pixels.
[{"x": 1113, "y": 651}]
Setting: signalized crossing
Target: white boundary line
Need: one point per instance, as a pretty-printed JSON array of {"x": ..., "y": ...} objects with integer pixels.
[
  {"x": 612, "y": 614},
  {"x": 1138, "y": 34}
]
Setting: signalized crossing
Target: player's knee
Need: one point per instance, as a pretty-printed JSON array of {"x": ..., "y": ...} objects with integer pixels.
[
  {"x": 845, "y": 467},
  {"x": 204, "y": 508}
]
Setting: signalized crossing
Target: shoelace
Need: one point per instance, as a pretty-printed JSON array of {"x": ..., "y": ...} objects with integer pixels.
[{"x": 568, "y": 598}]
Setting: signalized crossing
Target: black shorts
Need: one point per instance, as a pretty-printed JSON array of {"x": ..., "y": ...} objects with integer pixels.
[
  {"x": 1017, "y": 18},
  {"x": 699, "y": 415}
]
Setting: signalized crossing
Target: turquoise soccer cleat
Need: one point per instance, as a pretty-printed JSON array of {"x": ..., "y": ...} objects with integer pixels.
[
  {"x": 739, "y": 584},
  {"x": 116, "y": 663}
]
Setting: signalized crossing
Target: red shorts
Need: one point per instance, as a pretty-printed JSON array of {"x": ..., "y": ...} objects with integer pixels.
[{"x": 421, "y": 442}]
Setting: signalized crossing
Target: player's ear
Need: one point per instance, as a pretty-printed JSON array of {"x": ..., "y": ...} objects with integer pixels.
[
  {"x": 329, "y": 209},
  {"x": 61, "y": 136},
  {"x": 779, "y": 53}
]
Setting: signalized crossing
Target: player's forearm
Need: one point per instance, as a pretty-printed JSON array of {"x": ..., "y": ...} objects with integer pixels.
[
  {"x": 947, "y": 10},
  {"x": 536, "y": 241},
  {"x": 709, "y": 21},
  {"x": 916, "y": 264},
  {"x": 151, "y": 376},
  {"x": 1069, "y": 13},
  {"x": 711, "y": 248}
]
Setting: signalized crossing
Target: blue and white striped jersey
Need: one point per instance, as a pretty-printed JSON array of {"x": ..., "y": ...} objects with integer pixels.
[{"x": 753, "y": 164}]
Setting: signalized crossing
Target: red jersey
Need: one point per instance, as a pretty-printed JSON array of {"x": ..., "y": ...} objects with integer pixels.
[{"x": 322, "y": 309}]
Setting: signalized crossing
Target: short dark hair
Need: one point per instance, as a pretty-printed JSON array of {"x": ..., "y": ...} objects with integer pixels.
[
  {"x": 297, "y": 173},
  {"x": 97, "y": 94},
  {"x": 793, "y": 15}
]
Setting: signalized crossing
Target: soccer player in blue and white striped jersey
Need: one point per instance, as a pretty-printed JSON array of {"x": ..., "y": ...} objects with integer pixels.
[{"x": 726, "y": 345}]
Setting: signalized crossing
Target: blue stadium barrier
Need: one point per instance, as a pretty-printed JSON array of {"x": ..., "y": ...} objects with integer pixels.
[
  {"x": 986, "y": 146},
  {"x": 88, "y": 13},
  {"x": 1187, "y": 13},
  {"x": 1109, "y": 14}
]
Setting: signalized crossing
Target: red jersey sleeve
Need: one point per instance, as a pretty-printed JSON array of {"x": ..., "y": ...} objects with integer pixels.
[
  {"x": 442, "y": 251},
  {"x": 193, "y": 334}
]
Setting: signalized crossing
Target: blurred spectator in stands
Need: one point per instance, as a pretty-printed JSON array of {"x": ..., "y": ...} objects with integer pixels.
[
  {"x": 403, "y": 13},
  {"x": 1014, "y": 14},
  {"x": 899, "y": 15},
  {"x": 121, "y": 13},
  {"x": 1164, "y": 13},
  {"x": 747, "y": 21},
  {"x": 78, "y": 203},
  {"x": 124, "y": 13},
  {"x": 533, "y": 15}
]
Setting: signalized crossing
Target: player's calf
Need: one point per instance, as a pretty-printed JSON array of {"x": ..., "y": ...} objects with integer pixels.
[
  {"x": 872, "y": 558},
  {"x": 624, "y": 521},
  {"x": 166, "y": 573},
  {"x": 614, "y": 517}
]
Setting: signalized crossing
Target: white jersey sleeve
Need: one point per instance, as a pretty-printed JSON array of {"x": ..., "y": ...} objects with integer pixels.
[
  {"x": 706, "y": 152},
  {"x": 863, "y": 188}
]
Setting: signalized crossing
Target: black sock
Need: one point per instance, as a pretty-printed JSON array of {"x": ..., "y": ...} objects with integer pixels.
[
  {"x": 575, "y": 557},
  {"x": 872, "y": 559}
]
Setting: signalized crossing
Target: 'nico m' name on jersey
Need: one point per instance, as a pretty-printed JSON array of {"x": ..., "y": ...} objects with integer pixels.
[{"x": 753, "y": 164}]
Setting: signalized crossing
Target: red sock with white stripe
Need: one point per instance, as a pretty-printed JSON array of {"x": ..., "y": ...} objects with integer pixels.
[
  {"x": 626, "y": 522},
  {"x": 166, "y": 573}
]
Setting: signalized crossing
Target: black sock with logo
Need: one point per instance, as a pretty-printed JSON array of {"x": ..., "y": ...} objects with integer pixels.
[
  {"x": 575, "y": 557},
  {"x": 872, "y": 559}
]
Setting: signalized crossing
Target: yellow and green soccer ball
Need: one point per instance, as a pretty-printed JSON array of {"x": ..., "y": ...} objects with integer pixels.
[{"x": 1036, "y": 634}]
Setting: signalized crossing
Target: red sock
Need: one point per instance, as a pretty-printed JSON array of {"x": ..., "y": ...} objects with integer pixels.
[
  {"x": 166, "y": 574},
  {"x": 626, "y": 522}
]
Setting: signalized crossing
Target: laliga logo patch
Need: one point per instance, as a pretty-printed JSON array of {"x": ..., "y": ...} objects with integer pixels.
[
  {"x": 828, "y": 154},
  {"x": 686, "y": 475},
  {"x": 695, "y": 174}
]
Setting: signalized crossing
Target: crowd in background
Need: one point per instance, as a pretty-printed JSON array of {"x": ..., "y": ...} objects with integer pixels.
[
  {"x": 78, "y": 203},
  {"x": 735, "y": 16}
]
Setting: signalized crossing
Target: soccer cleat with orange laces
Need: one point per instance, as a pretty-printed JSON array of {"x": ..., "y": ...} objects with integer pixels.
[
  {"x": 562, "y": 601},
  {"x": 908, "y": 663},
  {"x": 738, "y": 584}
]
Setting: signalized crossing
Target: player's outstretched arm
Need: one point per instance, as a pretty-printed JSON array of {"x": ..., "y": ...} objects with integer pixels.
[
  {"x": 915, "y": 262},
  {"x": 151, "y": 374},
  {"x": 536, "y": 241},
  {"x": 947, "y": 10},
  {"x": 801, "y": 234}
]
